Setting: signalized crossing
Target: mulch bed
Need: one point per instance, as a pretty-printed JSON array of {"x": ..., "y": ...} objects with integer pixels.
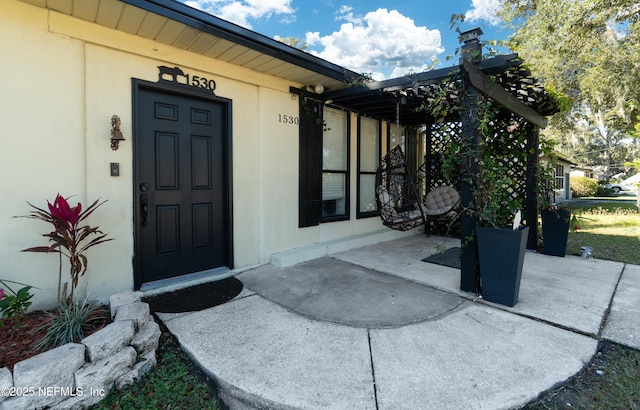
[
  {"x": 30, "y": 329},
  {"x": 19, "y": 337}
]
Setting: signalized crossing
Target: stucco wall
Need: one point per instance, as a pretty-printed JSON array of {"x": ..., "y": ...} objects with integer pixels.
[
  {"x": 43, "y": 144},
  {"x": 64, "y": 79}
]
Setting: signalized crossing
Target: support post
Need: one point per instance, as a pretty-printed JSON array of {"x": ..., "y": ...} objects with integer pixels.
[
  {"x": 428, "y": 158},
  {"x": 469, "y": 270},
  {"x": 531, "y": 188}
]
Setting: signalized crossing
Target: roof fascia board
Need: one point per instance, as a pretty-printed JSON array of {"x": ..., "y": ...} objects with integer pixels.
[{"x": 239, "y": 35}]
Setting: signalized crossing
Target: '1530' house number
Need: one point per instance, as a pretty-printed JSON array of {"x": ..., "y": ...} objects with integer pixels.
[
  {"x": 288, "y": 119},
  {"x": 176, "y": 75}
]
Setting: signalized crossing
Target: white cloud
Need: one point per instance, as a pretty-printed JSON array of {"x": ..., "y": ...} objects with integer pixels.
[
  {"x": 241, "y": 11},
  {"x": 383, "y": 43},
  {"x": 484, "y": 10},
  {"x": 346, "y": 13},
  {"x": 312, "y": 38}
]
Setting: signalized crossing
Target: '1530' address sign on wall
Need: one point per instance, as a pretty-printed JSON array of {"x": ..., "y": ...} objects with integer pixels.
[{"x": 177, "y": 76}]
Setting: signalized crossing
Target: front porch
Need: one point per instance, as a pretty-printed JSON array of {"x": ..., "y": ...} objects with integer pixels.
[{"x": 267, "y": 352}]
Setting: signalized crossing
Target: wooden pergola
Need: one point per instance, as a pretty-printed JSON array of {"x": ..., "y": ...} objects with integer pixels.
[{"x": 501, "y": 78}]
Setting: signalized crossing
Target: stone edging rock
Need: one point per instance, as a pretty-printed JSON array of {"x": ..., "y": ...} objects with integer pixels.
[{"x": 77, "y": 375}]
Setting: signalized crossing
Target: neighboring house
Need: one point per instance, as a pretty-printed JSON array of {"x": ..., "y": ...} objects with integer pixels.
[
  {"x": 582, "y": 171},
  {"x": 563, "y": 166},
  {"x": 211, "y": 176}
]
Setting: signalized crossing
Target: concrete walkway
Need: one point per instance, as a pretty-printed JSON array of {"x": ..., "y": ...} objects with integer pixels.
[{"x": 377, "y": 328}]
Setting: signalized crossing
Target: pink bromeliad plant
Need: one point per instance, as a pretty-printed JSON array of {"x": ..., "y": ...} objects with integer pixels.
[{"x": 69, "y": 238}]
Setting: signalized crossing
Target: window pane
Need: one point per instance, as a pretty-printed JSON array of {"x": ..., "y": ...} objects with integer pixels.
[
  {"x": 368, "y": 193},
  {"x": 559, "y": 177},
  {"x": 333, "y": 194},
  {"x": 334, "y": 144},
  {"x": 369, "y": 150}
]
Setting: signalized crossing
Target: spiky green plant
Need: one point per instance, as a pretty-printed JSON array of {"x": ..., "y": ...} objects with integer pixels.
[{"x": 69, "y": 324}]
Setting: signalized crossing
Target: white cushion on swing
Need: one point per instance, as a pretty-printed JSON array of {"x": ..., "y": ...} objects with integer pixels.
[
  {"x": 388, "y": 211},
  {"x": 440, "y": 200}
]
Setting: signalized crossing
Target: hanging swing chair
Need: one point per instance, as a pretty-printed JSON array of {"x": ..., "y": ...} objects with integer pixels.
[
  {"x": 401, "y": 205},
  {"x": 396, "y": 194}
]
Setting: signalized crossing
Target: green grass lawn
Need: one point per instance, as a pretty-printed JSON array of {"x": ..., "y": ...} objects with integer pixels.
[
  {"x": 611, "y": 229},
  {"x": 175, "y": 383}
]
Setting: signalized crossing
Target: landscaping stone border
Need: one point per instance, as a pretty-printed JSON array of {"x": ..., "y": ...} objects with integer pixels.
[{"x": 78, "y": 375}]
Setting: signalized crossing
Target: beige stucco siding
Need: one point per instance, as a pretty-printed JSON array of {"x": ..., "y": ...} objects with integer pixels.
[
  {"x": 64, "y": 78},
  {"x": 43, "y": 144}
]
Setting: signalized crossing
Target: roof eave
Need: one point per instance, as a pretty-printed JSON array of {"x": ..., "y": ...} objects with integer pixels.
[{"x": 215, "y": 26}]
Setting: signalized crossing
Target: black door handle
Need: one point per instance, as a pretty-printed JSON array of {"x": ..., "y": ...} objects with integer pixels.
[{"x": 144, "y": 209}]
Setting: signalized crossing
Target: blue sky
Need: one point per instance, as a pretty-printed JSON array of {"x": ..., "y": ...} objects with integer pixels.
[{"x": 386, "y": 39}]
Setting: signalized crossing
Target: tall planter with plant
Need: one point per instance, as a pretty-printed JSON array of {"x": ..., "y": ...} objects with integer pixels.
[
  {"x": 497, "y": 203},
  {"x": 492, "y": 170},
  {"x": 555, "y": 231},
  {"x": 555, "y": 219},
  {"x": 501, "y": 257}
]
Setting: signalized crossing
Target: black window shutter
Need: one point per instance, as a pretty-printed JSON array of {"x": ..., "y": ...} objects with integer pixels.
[{"x": 310, "y": 178}]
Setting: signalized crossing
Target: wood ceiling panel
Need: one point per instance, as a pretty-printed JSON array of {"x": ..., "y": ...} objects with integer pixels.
[
  {"x": 170, "y": 31},
  {"x": 244, "y": 58},
  {"x": 151, "y": 26},
  {"x": 39, "y": 3},
  {"x": 63, "y": 6},
  {"x": 203, "y": 43},
  {"x": 109, "y": 13},
  {"x": 287, "y": 71},
  {"x": 131, "y": 19},
  {"x": 219, "y": 48},
  {"x": 272, "y": 66},
  {"x": 238, "y": 55},
  {"x": 186, "y": 38},
  {"x": 86, "y": 9},
  {"x": 308, "y": 77},
  {"x": 261, "y": 59}
]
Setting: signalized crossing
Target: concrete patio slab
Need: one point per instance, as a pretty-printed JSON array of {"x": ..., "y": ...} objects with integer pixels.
[
  {"x": 571, "y": 292},
  {"x": 623, "y": 324},
  {"x": 476, "y": 358},
  {"x": 341, "y": 292},
  {"x": 404, "y": 258},
  {"x": 269, "y": 357},
  {"x": 278, "y": 346}
]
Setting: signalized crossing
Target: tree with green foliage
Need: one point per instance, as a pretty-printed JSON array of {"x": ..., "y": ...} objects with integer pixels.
[
  {"x": 293, "y": 42},
  {"x": 589, "y": 51}
]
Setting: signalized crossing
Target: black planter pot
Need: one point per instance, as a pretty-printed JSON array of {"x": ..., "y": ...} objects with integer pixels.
[
  {"x": 501, "y": 256},
  {"x": 555, "y": 231}
]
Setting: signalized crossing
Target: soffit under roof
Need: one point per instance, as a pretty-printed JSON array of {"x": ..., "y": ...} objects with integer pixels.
[{"x": 175, "y": 24}]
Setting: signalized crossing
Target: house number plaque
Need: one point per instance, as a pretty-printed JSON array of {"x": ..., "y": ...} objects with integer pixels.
[{"x": 175, "y": 75}]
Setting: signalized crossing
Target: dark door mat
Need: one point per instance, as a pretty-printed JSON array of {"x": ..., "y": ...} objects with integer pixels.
[
  {"x": 195, "y": 298},
  {"x": 450, "y": 258}
]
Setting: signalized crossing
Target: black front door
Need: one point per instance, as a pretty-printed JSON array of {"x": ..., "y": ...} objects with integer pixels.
[{"x": 182, "y": 184}]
